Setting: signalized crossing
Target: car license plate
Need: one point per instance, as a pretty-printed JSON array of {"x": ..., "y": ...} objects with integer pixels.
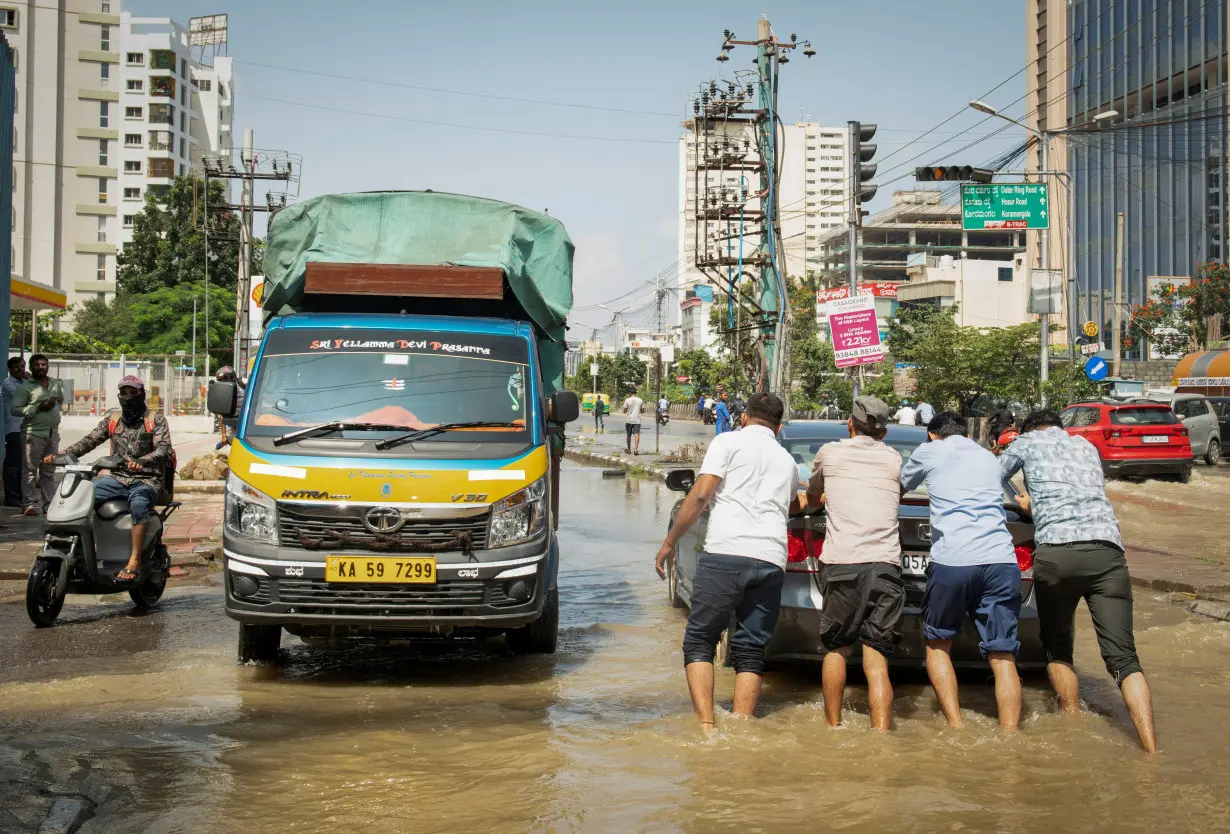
[
  {"x": 915, "y": 564},
  {"x": 1155, "y": 438},
  {"x": 405, "y": 569}
]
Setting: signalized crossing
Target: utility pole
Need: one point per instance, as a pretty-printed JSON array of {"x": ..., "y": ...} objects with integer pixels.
[
  {"x": 722, "y": 122},
  {"x": 1116, "y": 328},
  {"x": 249, "y": 165}
]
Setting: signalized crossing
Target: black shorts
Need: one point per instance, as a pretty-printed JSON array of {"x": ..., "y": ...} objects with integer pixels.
[
  {"x": 861, "y": 603},
  {"x": 1096, "y": 572},
  {"x": 632, "y": 428}
]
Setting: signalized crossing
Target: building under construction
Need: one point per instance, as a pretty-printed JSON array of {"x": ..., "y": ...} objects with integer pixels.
[{"x": 918, "y": 223}]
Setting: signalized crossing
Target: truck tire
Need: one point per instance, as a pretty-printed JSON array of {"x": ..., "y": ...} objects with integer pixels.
[
  {"x": 42, "y": 603},
  {"x": 259, "y": 643},
  {"x": 540, "y": 636}
]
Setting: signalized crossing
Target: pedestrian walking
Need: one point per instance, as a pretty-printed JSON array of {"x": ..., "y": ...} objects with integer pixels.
[
  {"x": 599, "y": 412},
  {"x": 700, "y": 409},
  {"x": 14, "y": 448},
  {"x": 721, "y": 415},
  {"x": 906, "y": 416},
  {"x": 1079, "y": 556},
  {"x": 751, "y": 482},
  {"x": 973, "y": 571},
  {"x": 856, "y": 480},
  {"x": 37, "y": 401},
  {"x": 634, "y": 406},
  {"x": 925, "y": 411}
]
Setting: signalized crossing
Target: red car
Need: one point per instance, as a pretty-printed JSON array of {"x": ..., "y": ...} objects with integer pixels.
[{"x": 1133, "y": 438}]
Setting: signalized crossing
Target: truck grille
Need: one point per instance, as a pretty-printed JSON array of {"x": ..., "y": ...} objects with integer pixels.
[
  {"x": 318, "y": 592},
  {"x": 342, "y": 528}
]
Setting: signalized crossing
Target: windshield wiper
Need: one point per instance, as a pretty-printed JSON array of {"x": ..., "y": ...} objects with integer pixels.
[
  {"x": 329, "y": 428},
  {"x": 409, "y": 437}
]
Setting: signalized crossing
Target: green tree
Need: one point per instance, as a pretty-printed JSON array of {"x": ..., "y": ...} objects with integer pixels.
[
  {"x": 958, "y": 365},
  {"x": 55, "y": 341},
  {"x": 913, "y": 322},
  {"x": 616, "y": 374},
  {"x": 168, "y": 245}
]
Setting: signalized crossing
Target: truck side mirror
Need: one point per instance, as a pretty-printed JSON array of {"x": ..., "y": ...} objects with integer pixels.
[
  {"x": 563, "y": 407},
  {"x": 221, "y": 399}
]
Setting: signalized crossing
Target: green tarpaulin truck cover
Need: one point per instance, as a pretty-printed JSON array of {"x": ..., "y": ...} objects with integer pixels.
[{"x": 423, "y": 227}]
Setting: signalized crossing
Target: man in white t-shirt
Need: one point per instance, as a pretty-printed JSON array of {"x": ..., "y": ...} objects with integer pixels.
[
  {"x": 906, "y": 415},
  {"x": 633, "y": 407},
  {"x": 752, "y": 483}
]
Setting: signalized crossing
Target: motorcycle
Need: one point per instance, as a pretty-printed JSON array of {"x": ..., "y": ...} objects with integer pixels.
[
  {"x": 84, "y": 546},
  {"x": 663, "y": 418}
]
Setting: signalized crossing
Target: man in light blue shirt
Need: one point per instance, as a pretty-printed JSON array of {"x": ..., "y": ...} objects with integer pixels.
[
  {"x": 926, "y": 412},
  {"x": 13, "y": 447},
  {"x": 973, "y": 569}
]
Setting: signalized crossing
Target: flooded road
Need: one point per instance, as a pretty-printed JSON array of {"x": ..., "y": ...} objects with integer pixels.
[{"x": 151, "y": 716}]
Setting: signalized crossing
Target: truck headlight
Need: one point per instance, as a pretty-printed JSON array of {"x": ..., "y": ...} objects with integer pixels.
[
  {"x": 519, "y": 517},
  {"x": 249, "y": 512}
]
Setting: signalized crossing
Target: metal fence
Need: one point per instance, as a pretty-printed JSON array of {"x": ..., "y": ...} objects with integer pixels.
[{"x": 170, "y": 383}]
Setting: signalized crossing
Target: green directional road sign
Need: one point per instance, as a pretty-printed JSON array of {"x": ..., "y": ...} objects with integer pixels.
[{"x": 1005, "y": 206}]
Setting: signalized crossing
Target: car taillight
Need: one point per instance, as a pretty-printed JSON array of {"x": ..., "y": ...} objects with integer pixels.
[
  {"x": 1112, "y": 433},
  {"x": 803, "y": 551},
  {"x": 1180, "y": 430},
  {"x": 796, "y": 546},
  {"x": 1024, "y": 557}
]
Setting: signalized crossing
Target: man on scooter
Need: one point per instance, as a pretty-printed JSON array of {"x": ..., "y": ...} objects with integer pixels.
[{"x": 143, "y": 439}]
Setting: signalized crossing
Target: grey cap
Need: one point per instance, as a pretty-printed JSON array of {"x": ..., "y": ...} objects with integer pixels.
[{"x": 871, "y": 412}]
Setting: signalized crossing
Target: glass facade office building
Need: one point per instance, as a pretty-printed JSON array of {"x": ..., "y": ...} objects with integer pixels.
[{"x": 1162, "y": 162}]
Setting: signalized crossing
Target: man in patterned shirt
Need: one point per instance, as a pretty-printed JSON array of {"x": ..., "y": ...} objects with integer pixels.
[
  {"x": 1079, "y": 556},
  {"x": 142, "y": 438}
]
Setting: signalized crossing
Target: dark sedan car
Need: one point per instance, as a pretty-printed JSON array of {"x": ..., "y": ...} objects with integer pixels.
[{"x": 798, "y": 628}]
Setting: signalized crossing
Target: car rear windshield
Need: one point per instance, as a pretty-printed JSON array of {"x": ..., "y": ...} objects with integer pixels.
[{"x": 1146, "y": 416}]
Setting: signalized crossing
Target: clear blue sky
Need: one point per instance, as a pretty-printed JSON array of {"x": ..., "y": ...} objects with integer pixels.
[{"x": 904, "y": 64}]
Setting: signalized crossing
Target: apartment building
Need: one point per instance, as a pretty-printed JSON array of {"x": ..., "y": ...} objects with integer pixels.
[
  {"x": 107, "y": 109},
  {"x": 813, "y": 192},
  {"x": 172, "y": 109},
  {"x": 65, "y": 171}
]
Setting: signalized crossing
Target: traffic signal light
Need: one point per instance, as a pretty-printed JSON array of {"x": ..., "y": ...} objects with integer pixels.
[
  {"x": 861, "y": 153},
  {"x": 952, "y": 173}
]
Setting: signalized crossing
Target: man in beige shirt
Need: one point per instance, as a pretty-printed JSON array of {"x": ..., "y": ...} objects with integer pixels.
[{"x": 857, "y": 482}]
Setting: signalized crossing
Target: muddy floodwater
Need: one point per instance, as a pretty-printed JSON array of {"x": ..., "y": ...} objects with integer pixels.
[{"x": 152, "y": 715}]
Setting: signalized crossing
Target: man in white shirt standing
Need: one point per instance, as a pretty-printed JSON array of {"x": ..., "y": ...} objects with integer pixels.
[
  {"x": 633, "y": 407},
  {"x": 752, "y": 483}
]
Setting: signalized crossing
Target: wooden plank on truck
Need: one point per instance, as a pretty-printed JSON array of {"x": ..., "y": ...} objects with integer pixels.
[{"x": 409, "y": 280}]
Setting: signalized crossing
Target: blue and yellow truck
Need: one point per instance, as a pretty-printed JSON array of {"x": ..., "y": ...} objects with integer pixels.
[{"x": 395, "y": 468}]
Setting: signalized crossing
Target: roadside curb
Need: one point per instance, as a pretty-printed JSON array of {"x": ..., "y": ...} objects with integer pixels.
[
  {"x": 647, "y": 470},
  {"x": 200, "y": 487}
]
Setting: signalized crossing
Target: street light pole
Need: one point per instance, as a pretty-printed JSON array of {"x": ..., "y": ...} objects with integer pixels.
[
  {"x": 1044, "y": 334},
  {"x": 1044, "y": 140}
]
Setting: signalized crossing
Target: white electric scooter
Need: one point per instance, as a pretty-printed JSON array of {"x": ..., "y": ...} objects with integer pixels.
[{"x": 84, "y": 546}]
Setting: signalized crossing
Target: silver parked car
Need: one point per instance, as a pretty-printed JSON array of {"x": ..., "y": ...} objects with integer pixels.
[
  {"x": 798, "y": 629},
  {"x": 1202, "y": 422}
]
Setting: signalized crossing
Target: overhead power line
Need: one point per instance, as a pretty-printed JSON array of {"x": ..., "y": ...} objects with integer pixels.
[{"x": 488, "y": 128}]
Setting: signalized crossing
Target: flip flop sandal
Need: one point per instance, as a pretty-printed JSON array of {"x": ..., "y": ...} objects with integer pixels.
[{"x": 125, "y": 575}]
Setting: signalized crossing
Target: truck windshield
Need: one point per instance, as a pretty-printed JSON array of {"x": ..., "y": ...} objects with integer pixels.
[{"x": 397, "y": 381}]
